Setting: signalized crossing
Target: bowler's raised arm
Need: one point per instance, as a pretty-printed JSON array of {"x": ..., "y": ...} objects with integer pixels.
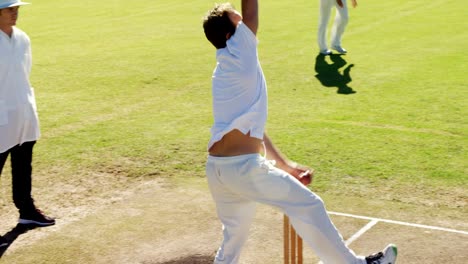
[{"x": 250, "y": 14}]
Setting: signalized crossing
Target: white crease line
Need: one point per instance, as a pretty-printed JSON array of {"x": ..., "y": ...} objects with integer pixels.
[
  {"x": 358, "y": 233},
  {"x": 401, "y": 223},
  {"x": 362, "y": 231}
]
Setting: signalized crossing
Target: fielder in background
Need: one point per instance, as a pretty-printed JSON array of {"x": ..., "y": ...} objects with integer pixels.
[
  {"x": 239, "y": 169},
  {"x": 339, "y": 25},
  {"x": 19, "y": 125}
]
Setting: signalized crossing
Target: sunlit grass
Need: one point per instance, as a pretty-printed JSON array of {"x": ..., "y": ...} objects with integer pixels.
[{"x": 117, "y": 82}]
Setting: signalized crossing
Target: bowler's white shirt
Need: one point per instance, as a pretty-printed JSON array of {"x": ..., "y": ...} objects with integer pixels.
[
  {"x": 18, "y": 115},
  {"x": 239, "y": 88}
]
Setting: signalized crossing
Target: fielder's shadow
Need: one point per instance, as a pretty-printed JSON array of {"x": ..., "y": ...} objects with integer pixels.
[
  {"x": 329, "y": 75},
  {"x": 13, "y": 234}
]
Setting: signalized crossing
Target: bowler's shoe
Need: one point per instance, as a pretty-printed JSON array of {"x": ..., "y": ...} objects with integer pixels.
[{"x": 387, "y": 256}]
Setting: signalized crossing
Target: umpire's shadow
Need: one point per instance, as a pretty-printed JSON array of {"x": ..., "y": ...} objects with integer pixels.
[
  {"x": 329, "y": 75},
  {"x": 13, "y": 234}
]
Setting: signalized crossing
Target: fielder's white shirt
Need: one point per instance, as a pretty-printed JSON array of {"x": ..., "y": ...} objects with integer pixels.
[
  {"x": 18, "y": 114},
  {"x": 239, "y": 88}
]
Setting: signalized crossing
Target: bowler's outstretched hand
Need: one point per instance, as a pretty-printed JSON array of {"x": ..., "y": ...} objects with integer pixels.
[{"x": 303, "y": 174}]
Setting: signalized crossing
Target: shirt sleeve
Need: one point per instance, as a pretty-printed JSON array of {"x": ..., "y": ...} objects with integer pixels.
[{"x": 243, "y": 43}]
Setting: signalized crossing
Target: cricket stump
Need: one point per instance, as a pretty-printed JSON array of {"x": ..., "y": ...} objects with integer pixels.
[{"x": 292, "y": 244}]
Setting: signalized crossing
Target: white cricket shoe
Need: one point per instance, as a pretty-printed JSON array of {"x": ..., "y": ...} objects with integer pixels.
[
  {"x": 387, "y": 256},
  {"x": 340, "y": 49},
  {"x": 325, "y": 52}
]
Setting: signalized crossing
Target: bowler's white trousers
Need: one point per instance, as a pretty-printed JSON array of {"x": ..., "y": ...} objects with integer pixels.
[
  {"x": 339, "y": 25},
  {"x": 237, "y": 183}
]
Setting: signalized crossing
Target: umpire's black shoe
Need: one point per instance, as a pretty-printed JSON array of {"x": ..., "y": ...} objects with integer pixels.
[
  {"x": 35, "y": 217},
  {"x": 3, "y": 242}
]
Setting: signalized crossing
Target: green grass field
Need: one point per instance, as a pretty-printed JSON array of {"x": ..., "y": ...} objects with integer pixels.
[{"x": 123, "y": 93}]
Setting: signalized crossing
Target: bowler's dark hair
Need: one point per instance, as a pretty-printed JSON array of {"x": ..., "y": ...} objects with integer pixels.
[{"x": 217, "y": 25}]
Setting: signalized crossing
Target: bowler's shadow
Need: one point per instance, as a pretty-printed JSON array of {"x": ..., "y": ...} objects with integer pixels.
[
  {"x": 329, "y": 75},
  {"x": 13, "y": 234},
  {"x": 192, "y": 259}
]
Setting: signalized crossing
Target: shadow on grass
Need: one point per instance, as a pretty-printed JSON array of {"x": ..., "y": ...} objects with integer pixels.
[
  {"x": 13, "y": 234},
  {"x": 191, "y": 259},
  {"x": 329, "y": 75}
]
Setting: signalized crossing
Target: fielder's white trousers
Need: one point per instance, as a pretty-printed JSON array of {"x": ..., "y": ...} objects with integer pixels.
[
  {"x": 339, "y": 25},
  {"x": 237, "y": 183}
]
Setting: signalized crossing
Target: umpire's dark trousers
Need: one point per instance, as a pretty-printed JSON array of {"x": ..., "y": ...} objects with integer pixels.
[{"x": 21, "y": 169}]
